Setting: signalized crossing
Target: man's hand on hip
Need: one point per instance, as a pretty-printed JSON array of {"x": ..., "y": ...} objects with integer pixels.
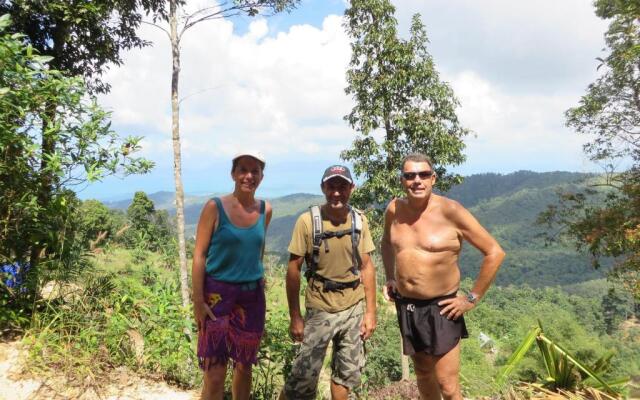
[
  {"x": 389, "y": 290},
  {"x": 455, "y": 307}
]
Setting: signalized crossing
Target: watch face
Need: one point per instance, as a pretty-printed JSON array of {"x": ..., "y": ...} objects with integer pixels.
[{"x": 471, "y": 298}]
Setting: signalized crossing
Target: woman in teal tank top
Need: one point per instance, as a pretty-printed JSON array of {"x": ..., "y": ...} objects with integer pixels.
[{"x": 228, "y": 289}]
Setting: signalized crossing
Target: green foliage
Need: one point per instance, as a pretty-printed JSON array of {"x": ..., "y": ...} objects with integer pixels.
[
  {"x": 124, "y": 313},
  {"x": 275, "y": 357},
  {"x": 149, "y": 229},
  {"x": 82, "y": 37},
  {"x": 52, "y": 134},
  {"x": 140, "y": 214},
  {"x": 511, "y": 217},
  {"x": 477, "y": 368},
  {"x": 616, "y": 307},
  {"x": 398, "y": 94},
  {"x": 133, "y": 320},
  {"x": 518, "y": 354},
  {"x": 577, "y": 322},
  {"x": 43, "y": 152},
  {"x": 97, "y": 223},
  {"x": 14, "y": 315},
  {"x": 480, "y": 188},
  {"x": 609, "y": 113},
  {"x": 383, "y": 353},
  {"x": 255, "y": 7},
  {"x": 292, "y": 204},
  {"x": 62, "y": 259},
  {"x": 140, "y": 211},
  {"x": 609, "y": 109},
  {"x": 564, "y": 371}
]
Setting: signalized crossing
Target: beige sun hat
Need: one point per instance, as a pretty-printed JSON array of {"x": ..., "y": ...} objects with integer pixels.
[{"x": 250, "y": 153}]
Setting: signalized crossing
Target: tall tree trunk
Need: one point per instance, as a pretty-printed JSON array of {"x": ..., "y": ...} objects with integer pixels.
[
  {"x": 48, "y": 143},
  {"x": 177, "y": 163},
  {"x": 404, "y": 362}
]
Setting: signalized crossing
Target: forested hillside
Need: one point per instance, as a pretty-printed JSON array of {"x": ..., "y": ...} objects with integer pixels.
[{"x": 508, "y": 206}]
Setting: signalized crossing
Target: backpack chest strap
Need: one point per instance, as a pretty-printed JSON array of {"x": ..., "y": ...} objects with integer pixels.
[{"x": 319, "y": 236}]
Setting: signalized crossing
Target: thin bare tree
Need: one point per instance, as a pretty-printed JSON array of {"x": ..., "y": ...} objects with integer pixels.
[{"x": 179, "y": 24}]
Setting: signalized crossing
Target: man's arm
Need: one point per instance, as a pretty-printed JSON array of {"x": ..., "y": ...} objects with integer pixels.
[
  {"x": 388, "y": 253},
  {"x": 482, "y": 240},
  {"x": 296, "y": 327},
  {"x": 369, "y": 281},
  {"x": 472, "y": 231}
]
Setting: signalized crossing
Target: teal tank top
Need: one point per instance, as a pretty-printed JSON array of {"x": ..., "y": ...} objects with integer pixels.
[{"x": 235, "y": 253}]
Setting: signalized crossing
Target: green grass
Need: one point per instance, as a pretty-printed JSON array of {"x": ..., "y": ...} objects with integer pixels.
[{"x": 126, "y": 313}]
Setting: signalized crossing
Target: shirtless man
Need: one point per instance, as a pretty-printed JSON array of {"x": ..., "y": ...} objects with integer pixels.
[{"x": 422, "y": 240}]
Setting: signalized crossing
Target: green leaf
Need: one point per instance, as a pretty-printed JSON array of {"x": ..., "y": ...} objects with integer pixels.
[
  {"x": 547, "y": 357},
  {"x": 42, "y": 59},
  {"x": 578, "y": 364},
  {"x": 5, "y": 21},
  {"x": 615, "y": 382},
  {"x": 517, "y": 355}
]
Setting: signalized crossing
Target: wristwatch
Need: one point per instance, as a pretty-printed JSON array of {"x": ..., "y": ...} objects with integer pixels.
[{"x": 472, "y": 298}]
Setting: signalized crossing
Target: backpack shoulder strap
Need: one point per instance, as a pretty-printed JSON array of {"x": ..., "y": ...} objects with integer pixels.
[
  {"x": 356, "y": 231},
  {"x": 316, "y": 240},
  {"x": 316, "y": 225},
  {"x": 357, "y": 219}
]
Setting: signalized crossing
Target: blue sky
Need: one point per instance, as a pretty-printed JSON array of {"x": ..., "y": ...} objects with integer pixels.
[{"x": 277, "y": 85}]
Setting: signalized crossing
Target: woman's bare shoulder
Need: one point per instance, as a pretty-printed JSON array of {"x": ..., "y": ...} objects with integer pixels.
[
  {"x": 267, "y": 207},
  {"x": 210, "y": 209}
]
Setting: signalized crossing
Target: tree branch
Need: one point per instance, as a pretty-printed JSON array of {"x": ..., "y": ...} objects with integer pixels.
[
  {"x": 157, "y": 26},
  {"x": 222, "y": 11},
  {"x": 199, "y": 92},
  {"x": 231, "y": 11}
]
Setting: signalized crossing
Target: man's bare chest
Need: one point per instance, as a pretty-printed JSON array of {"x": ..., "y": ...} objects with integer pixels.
[{"x": 426, "y": 234}]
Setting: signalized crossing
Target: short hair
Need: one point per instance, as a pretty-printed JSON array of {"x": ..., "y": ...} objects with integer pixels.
[
  {"x": 234, "y": 163},
  {"x": 416, "y": 157}
]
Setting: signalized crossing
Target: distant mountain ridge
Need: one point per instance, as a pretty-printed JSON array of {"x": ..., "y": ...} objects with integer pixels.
[
  {"x": 163, "y": 200},
  {"x": 507, "y": 205},
  {"x": 479, "y": 187}
]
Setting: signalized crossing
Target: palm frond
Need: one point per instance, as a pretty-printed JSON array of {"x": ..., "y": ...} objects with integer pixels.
[{"x": 518, "y": 355}]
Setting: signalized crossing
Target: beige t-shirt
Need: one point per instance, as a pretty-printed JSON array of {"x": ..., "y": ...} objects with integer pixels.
[{"x": 333, "y": 265}]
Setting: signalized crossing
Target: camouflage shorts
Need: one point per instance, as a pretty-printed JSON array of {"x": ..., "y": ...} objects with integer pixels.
[{"x": 347, "y": 361}]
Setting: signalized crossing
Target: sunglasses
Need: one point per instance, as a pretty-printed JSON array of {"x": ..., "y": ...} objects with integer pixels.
[{"x": 412, "y": 175}]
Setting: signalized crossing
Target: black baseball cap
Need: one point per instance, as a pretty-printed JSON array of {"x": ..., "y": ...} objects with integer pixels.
[{"x": 337, "y": 170}]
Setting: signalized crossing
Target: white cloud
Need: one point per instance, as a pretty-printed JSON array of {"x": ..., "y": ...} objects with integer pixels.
[
  {"x": 516, "y": 66},
  {"x": 519, "y": 45},
  {"x": 284, "y": 94},
  {"x": 523, "y": 131}
]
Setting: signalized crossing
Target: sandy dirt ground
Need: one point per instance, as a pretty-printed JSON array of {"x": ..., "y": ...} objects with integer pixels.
[{"x": 17, "y": 384}]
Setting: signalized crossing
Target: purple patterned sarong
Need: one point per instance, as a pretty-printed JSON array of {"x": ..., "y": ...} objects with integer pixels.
[{"x": 239, "y": 309}]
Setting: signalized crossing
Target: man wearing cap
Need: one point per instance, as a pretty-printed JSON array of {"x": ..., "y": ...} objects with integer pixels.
[
  {"x": 340, "y": 295},
  {"x": 423, "y": 235}
]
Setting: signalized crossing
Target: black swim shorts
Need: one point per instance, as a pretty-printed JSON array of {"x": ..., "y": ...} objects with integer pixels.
[{"x": 423, "y": 329}]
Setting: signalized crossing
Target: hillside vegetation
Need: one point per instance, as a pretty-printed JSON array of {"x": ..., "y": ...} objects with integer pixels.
[{"x": 125, "y": 311}]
